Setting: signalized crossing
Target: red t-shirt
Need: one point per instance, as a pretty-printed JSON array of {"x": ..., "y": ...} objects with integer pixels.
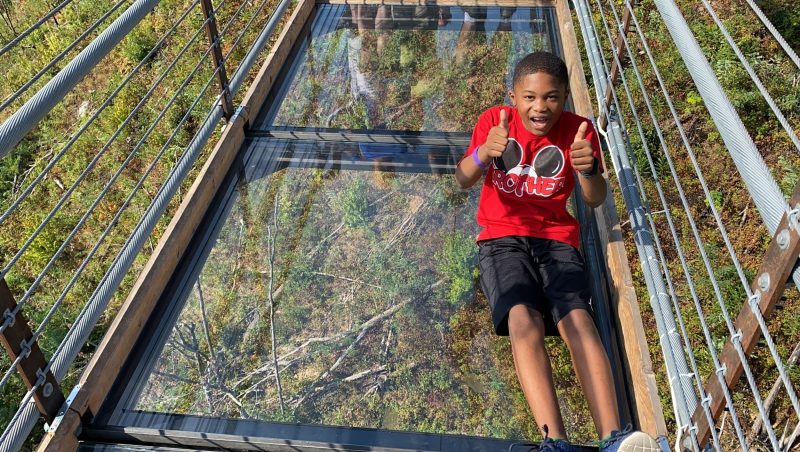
[{"x": 529, "y": 196}]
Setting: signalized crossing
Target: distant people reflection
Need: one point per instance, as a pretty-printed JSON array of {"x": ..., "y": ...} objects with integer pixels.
[{"x": 401, "y": 71}]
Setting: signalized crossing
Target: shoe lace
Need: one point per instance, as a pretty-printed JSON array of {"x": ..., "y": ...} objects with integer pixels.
[
  {"x": 615, "y": 436},
  {"x": 547, "y": 445}
]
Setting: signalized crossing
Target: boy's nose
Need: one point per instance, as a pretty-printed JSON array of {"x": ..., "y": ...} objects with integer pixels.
[{"x": 539, "y": 105}]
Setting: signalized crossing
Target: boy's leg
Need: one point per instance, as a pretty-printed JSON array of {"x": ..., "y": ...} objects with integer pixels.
[
  {"x": 592, "y": 367},
  {"x": 526, "y": 331}
]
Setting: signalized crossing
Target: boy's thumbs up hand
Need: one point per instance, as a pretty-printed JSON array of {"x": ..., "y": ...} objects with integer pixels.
[
  {"x": 497, "y": 139},
  {"x": 581, "y": 153}
]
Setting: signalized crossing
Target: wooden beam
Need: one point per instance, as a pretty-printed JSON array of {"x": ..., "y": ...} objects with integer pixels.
[
  {"x": 103, "y": 369},
  {"x": 776, "y": 267},
  {"x": 578, "y": 89},
  {"x": 48, "y": 397},
  {"x": 118, "y": 341},
  {"x": 257, "y": 93},
  {"x": 648, "y": 412}
]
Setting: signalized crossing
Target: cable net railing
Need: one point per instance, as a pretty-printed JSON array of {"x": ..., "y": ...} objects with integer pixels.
[
  {"x": 704, "y": 202},
  {"x": 140, "y": 84},
  {"x": 143, "y": 85}
]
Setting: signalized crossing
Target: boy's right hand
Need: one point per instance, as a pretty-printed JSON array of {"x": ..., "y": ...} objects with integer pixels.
[{"x": 497, "y": 139}]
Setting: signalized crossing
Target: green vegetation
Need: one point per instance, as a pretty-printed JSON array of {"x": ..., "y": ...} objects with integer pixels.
[
  {"x": 378, "y": 323},
  {"x": 417, "y": 79},
  {"x": 151, "y": 155},
  {"x": 727, "y": 191},
  {"x": 378, "y": 320}
]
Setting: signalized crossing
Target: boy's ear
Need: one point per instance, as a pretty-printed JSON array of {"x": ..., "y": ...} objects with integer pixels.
[{"x": 511, "y": 96}]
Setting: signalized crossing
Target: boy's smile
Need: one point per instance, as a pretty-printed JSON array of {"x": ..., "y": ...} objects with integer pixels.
[{"x": 539, "y": 99}]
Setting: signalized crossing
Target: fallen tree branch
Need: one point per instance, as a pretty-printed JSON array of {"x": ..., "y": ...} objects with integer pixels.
[
  {"x": 362, "y": 329},
  {"x": 773, "y": 393},
  {"x": 358, "y": 281}
]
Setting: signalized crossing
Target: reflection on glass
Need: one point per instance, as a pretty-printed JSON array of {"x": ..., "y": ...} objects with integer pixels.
[
  {"x": 358, "y": 286},
  {"x": 407, "y": 68}
]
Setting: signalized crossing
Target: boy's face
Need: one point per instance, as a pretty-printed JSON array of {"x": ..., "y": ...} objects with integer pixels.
[{"x": 539, "y": 98}]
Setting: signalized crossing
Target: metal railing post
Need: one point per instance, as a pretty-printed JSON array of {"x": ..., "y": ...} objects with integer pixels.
[
  {"x": 219, "y": 62},
  {"x": 24, "y": 351}
]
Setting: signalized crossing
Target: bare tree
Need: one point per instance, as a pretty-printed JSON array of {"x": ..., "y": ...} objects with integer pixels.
[
  {"x": 211, "y": 367},
  {"x": 272, "y": 232},
  {"x": 7, "y": 14}
]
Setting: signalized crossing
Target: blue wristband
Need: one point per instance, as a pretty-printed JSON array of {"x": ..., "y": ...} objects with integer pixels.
[{"x": 477, "y": 160}]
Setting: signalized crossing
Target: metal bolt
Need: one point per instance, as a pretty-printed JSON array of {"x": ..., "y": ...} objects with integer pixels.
[
  {"x": 763, "y": 282},
  {"x": 47, "y": 391},
  {"x": 686, "y": 442},
  {"x": 783, "y": 239}
]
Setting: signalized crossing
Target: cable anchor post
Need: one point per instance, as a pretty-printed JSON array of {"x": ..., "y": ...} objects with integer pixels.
[
  {"x": 23, "y": 350},
  {"x": 212, "y": 33}
]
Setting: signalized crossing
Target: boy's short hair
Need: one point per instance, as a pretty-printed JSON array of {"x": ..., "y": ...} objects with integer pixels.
[{"x": 541, "y": 62}]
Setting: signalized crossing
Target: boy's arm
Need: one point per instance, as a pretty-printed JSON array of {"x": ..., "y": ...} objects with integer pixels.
[
  {"x": 594, "y": 189},
  {"x": 468, "y": 170},
  {"x": 584, "y": 160}
]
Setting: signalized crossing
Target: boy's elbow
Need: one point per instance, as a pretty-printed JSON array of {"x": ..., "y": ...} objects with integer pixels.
[
  {"x": 594, "y": 202},
  {"x": 462, "y": 180},
  {"x": 463, "y": 183}
]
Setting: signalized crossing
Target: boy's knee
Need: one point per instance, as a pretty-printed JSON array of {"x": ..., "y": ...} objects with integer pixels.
[
  {"x": 577, "y": 320},
  {"x": 524, "y": 322}
]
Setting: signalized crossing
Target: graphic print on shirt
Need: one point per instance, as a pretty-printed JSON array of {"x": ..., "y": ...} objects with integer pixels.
[
  {"x": 543, "y": 179},
  {"x": 511, "y": 158}
]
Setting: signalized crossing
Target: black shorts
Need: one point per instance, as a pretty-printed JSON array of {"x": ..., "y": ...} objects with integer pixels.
[{"x": 546, "y": 275}]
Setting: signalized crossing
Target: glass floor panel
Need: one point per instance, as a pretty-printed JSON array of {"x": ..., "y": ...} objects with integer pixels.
[
  {"x": 356, "y": 278},
  {"x": 405, "y": 68},
  {"x": 341, "y": 252}
]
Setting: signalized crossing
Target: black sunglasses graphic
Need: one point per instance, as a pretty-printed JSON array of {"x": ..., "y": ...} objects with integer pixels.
[
  {"x": 511, "y": 157},
  {"x": 549, "y": 161}
]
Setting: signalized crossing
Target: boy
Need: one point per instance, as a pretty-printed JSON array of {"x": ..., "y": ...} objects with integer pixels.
[{"x": 531, "y": 271}]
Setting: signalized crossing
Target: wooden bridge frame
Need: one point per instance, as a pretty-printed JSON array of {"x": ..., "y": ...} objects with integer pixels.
[{"x": 104, "y": 367}]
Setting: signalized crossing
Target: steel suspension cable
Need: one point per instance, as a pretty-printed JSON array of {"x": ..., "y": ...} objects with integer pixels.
[
  {"x": 241, "y": 33},
  {"x": 124, "y": 258},
  {"x": 17, "y": 202},
  {"x": 85, "y": 173},
  {"x": 13, "y": 130},
  {"x": 27, "y": 414},
  {"x": 694, "y": 375},
  {"x": 657, "y": 182},
  {"x": 122, "y": 208},
  {"x": 261, "y": 41},
  {"x": 701, "y": 248},
  {"x": 737, "y": 264},
  {"x": 756, "y": 176},
  {"x": 786, "y": 48},
  {"x": 690, "y": 217},
  {"x": 11, "y": 98},
  {"x": 675, "y": 362},
  {"x": 760, "y": 183},
  {"x": 10, "y": 45},
  {"x": 761, "y": 88},
  {"x": 725, "y": 237}
]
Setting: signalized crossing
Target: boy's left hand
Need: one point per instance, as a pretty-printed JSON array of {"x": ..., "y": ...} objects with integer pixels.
[{"x": 581, "y": 153}]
